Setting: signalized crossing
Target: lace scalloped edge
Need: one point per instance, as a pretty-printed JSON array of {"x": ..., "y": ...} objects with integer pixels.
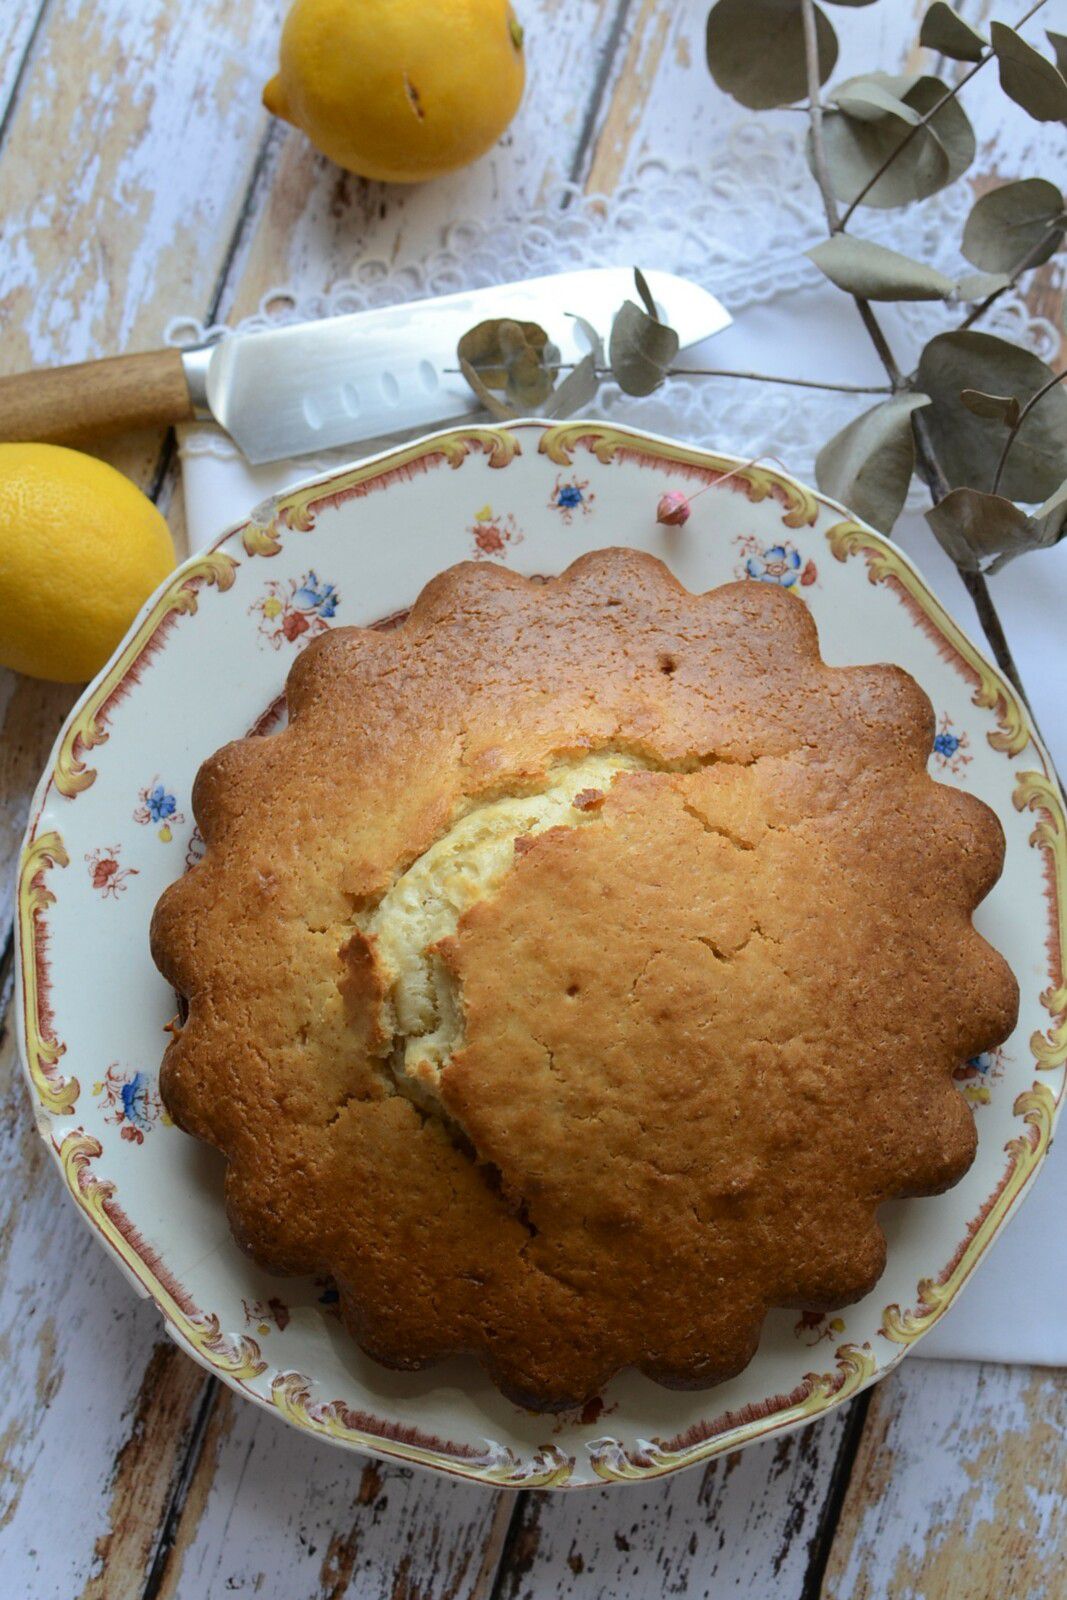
[{"x": 739, "y": 227}]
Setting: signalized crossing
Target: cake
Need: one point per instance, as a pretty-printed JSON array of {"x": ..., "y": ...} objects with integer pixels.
[{"x": 579, "y": 971}]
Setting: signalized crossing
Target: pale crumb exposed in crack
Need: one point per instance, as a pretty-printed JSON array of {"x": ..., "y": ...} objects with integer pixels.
[{"x": 467, "y": 864}]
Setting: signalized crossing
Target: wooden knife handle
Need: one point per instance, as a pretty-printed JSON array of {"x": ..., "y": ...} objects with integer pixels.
[{"x": 69, "y": 405}]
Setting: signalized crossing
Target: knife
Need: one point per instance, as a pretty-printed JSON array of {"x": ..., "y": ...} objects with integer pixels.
[{"x": 309, "y": 386}]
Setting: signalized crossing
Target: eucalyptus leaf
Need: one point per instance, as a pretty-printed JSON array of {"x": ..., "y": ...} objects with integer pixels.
[
  {"x": 1051, "y": 518},
  {"x": 1028, "y": 77},
  {"x": 967, "y": 446},
  {"x": 577, "y": 389},
  {"x": 483, "y": 346},
  {"x": 868, "y": 99},
  {"x": 868, "y": 465},
  {"x": 950, "y": 124},
  {"x": 977, "y": 285},
  {"x": 495, "y": 406},
  {"x": 945, "y": 30},
  {"x": 595, "y": 342},
  {"x": 641, "y": 284},
  {"x": 875, "y": 273},
  {"x": 640, "y": 350},
  {"x": 1003, "y": 408},
  {"x": 755, "y": 51},
  {"x": 975, "y": 528},
  {"x": 935, "y": 156},
  {"x": 528, "y": 381},
  {"x": 1007, "y": 223},
  {"x": 1058, "y": 41}
]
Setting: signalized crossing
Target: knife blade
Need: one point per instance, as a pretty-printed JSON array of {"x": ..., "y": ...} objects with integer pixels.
[{"x": 311, "y": 386}]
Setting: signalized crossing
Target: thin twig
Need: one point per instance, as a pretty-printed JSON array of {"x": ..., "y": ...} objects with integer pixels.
[
  {"x": 818, "y": 148},
  {"x": 826, "y": 188},
  {"x": 711, "y": 372},
  {"x": 881, "y": 344},
  {"x": 766, "y": 377},
  {"x": 923, "y": 122},
  {"x": 1030, "y": 259},
  {"x": 1020, "y": 419},
  {"x": 930, "y": 469}
]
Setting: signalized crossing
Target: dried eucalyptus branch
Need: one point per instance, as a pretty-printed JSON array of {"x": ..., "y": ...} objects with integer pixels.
[
  {"x": 925, "y": 120},
  {"x": 876, "y": 140}
]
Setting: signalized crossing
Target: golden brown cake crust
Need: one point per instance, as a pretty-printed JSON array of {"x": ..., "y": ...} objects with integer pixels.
[{"x": 702, "y": 1036}]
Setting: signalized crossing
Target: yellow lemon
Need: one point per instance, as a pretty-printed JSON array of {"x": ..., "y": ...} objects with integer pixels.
[
  {"x": 81, "y": 548},
  {"x": 399, "y": 89}
]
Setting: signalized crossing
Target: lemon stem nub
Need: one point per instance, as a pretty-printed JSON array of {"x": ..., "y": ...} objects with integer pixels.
[{"x": 275, "y": 101}]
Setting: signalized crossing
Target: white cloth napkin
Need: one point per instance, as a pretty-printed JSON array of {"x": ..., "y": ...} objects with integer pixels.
[{"x": 743, "y": 238}]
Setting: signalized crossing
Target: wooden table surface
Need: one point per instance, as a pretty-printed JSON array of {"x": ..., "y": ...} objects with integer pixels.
[{"x": 139, "y": 178}]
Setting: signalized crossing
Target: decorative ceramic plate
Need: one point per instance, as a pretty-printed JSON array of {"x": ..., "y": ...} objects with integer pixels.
[{"x": 206, "y": 662}]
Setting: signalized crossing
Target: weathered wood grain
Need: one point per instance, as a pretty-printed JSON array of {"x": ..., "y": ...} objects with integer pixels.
[
  {"x": 19, "y": 25},
  {"x": 730, "y": 1528},
  {"x": 147, "y": 1474},
  {"x": 277, "y": 1514},
  {"x": 93, "y": 1409},
  {"x": 957, "y": 1492},
  {"x": 124, "y": 168}
]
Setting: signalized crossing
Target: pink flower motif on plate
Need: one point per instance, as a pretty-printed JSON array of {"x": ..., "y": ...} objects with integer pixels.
[
  {"x": 951, "y": 752},
  {"x": 196, "y": 849},
  {"x": 259, "y": 1314},
  {"x": 157, "y": 806},
  {"x": 812, "y": 1327},
  {"x": 130, "y": 1101},
  {"x": 295, "y": 611},
  {"x": 569, "y": 496},
  {"x": 976, "y": 1076},
  {"x": 106, "y": 873},
  {"x": 492, "y": 534},
  {"x": 780, "y": 563}
]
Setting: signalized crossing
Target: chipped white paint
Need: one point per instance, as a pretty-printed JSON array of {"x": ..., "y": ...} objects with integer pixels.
[
  {"x": 729, "y": 1529},
  {"x": 957, "y": 1490},
  {"x": 123, "y": 169},
  {"x": 17, "y": 23},
  {"x": 276, "y": 1515}
]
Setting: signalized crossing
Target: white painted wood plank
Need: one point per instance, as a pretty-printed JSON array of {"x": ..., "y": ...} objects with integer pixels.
[
  {"x": 278, "y": 1514},
  {"x": 745, "y": 1525},
  {"x": 958, "y": 1489},
  {"x": 18, "y": 20},
  {"x": 124, "y": 168},
  {"x": 88, "y": 1420}
]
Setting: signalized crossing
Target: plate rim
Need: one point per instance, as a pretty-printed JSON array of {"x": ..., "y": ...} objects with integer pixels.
[{"x": 236, "y": 1361}]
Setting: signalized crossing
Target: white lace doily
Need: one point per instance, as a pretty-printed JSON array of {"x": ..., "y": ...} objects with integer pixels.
[{"x": 739, "y": 228}]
